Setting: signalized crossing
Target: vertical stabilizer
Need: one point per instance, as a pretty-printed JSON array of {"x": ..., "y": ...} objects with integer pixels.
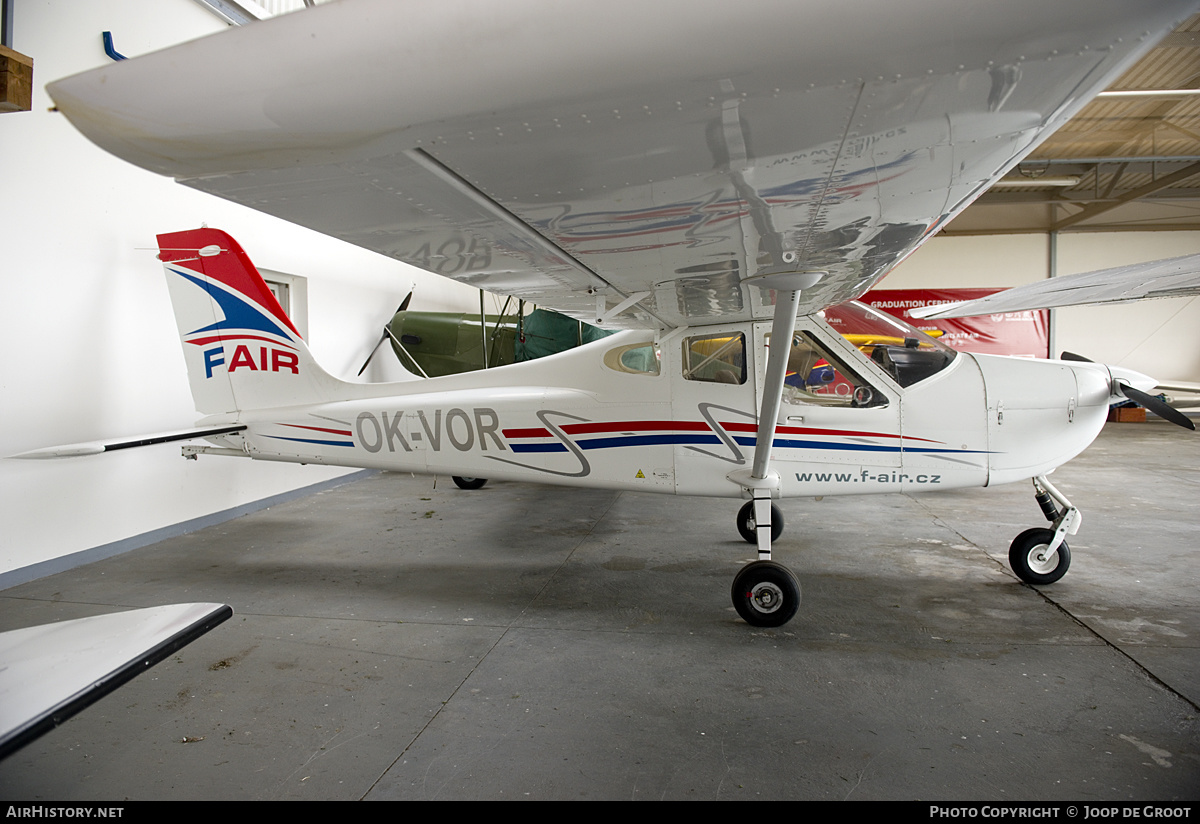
[{"x": 242, "y": 351}]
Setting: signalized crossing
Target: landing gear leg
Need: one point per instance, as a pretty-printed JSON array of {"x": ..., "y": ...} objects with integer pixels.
[
  {"x": 1041, "y": 556},
  {"x": 765, "y": 593}
]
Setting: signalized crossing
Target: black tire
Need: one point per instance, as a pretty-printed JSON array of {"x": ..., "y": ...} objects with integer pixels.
[
  {"x": 765, "y": 594},
  {"x": 468, "y": 483},
  {"x": 745, "y": 523},
  {"x": 1026, "y": 557}
]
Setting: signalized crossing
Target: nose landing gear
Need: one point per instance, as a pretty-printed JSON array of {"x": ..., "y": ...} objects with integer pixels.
[
  {"x": 1041, "y": 556},
  {"x": 1034, "y": 562}
]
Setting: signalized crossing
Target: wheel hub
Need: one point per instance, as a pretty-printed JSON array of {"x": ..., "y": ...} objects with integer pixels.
[
  {"x": 766, "y": 597},
  {"x": 1041, "y": 561}
]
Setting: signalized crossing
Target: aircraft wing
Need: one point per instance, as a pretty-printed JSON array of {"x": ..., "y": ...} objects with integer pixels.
[
  {"x": 50, "y": 672},
  {"x": 1173, "y": 278},
  {"x": 650, "y": 158}
]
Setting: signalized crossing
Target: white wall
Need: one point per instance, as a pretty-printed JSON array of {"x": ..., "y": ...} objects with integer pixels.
[
  {"x": 1158, "y": 337},
  {"x": 90, "y": 348}
]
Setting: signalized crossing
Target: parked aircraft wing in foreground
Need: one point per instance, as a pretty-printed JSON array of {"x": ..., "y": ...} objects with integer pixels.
[
  {"x": 52, "y": 671},
  {"x": 1173, "y": 278}
]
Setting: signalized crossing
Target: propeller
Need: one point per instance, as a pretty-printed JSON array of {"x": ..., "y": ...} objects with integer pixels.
[
  {"x": 1155, "y": 404},
  {"x": 387, "y": 332}
]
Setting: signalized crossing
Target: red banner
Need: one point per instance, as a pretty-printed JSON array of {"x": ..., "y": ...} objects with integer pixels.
[{"x": 1025, "y": 334}]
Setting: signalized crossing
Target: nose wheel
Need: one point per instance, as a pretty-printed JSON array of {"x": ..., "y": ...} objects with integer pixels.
[
  {"x": 1034, "y": 562},
  {"x": 1041, "y": 556},
  {"x": 765, "y": 594}
]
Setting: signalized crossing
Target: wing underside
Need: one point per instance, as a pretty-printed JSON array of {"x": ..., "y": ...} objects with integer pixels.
[
  {"x": 1173, "y": 278},
  {"x": 613, "y": 151}
]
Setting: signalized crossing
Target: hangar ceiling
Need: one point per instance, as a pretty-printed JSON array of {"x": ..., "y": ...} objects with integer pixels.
[{"x": 1129, "y": 161}]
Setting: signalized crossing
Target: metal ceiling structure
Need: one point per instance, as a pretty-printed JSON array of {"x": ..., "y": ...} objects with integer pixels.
[{"x": 1129, "y": 161}]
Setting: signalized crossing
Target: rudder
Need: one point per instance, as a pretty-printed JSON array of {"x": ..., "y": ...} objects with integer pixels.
[{"x": 241, "y": 349}]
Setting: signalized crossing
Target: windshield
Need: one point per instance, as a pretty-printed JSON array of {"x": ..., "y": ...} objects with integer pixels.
[{"x": 905, "y": 353}]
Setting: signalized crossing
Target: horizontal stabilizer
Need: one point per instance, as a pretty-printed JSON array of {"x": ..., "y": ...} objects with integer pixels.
[
  {"x": 52, "y": 671},
  {"x": 1173, "y": 278},
  {"x": 74, "y": 450}
]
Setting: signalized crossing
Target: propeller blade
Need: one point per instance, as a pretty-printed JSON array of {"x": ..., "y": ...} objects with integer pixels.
[
  {"x": 387, "y": 331},
  {"x": 374, "y": 349},
  {"x": 403, "y": 306},
  {"x": 1074, "y": 357},
  {"x": 1156, "y": 405}
]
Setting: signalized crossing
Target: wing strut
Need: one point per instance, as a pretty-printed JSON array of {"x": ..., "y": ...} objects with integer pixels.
[{"x": 760, "y": 480}]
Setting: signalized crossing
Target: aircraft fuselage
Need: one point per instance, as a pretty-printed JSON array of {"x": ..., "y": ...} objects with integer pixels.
[{"x": 979, "y": 420}]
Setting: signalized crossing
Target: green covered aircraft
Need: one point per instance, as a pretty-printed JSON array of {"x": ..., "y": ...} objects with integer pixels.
[{"x": 433, "y": 344}]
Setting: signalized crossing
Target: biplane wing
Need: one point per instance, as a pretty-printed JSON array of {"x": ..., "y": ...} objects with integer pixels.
[{"x": 631, "y": 162}]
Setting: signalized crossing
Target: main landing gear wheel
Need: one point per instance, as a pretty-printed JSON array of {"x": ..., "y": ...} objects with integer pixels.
[
  {"x": 765, "y": 594},
  {"x": 1029, "y": 558},
  {"x": 468, "y": 483},
  {"x": 746, "y": 523}
]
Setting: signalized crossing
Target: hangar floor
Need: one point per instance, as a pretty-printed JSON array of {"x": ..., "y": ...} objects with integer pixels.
[{"x": 397, "y": 640}]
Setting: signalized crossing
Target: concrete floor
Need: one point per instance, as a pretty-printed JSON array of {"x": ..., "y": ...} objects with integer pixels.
[{"x": 394, "y": 640}]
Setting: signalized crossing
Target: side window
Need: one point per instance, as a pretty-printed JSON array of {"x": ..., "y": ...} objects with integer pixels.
[
  {"x": 817, "y": 376},
  {"x": 636, "y": 359},
  {"x": 715, "y": 358}
]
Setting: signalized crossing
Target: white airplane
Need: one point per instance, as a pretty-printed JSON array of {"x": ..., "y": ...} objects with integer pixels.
[{"x": 711, "y": 177}]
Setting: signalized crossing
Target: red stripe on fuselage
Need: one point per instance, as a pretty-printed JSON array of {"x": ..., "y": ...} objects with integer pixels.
[
  {"x": 318, "y": 429},
  {"x": 695, "y": 426},
  {"x": 526, "y": 433}
]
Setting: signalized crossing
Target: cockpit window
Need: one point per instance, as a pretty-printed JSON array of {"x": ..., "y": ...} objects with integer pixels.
[
  {"x": 905, "y": 353},
  {"x": 817, "y": 376}
]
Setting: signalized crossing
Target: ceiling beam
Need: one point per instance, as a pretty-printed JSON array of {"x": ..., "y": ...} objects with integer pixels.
[{"x": 1128, "y": 197}]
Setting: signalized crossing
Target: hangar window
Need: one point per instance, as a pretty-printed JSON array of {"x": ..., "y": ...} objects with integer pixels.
[{"x": 292, "y": 293}]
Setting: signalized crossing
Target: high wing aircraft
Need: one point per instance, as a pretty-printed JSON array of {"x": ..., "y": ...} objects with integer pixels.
[{"x": 708, "y": 176}]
